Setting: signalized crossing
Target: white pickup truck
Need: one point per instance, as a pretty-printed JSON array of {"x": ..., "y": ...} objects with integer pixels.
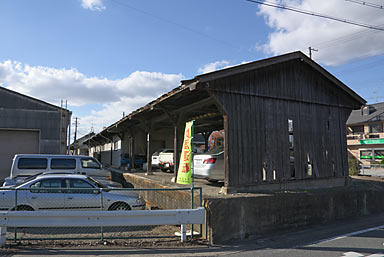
[{"x": 166, "y": 160}]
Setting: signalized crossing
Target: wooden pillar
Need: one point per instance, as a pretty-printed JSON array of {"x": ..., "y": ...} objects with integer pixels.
[
  {"x": 175, "y": 151},
  {"x": 131, "y": 153},
  {"x": 149, "y": 156},
  {"x": 111, "y": 162}
]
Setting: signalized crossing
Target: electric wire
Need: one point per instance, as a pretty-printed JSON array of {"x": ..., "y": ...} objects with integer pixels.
[
  {"x": 173, "y": 23},
  {"x": 294, "y": 9},
  {"x": 367, "y": 4}
]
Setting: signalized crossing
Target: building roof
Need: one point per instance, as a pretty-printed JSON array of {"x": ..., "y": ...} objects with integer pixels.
[
  {"x": 187, "y": 86},
  {"x": 32, "y": 99},
  {"x": 368, "y": 113},
  {"x": 271, "y": 61},
  {"x": 80, "y": 141}
]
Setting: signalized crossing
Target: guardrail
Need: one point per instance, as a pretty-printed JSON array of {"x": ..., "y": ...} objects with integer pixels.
[
  {"x": 64, "y": 200},
  {"x": 99, "y": 219}
]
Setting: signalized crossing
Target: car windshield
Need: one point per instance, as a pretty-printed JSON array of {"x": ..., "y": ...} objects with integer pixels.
[
  {"x": 215, "y": 150},
  {"x": 95, "y": 183},
  {"x": 89, "y": 163}
]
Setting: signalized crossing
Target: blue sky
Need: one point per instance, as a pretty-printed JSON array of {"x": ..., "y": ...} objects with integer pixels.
[{"x": 106, "y": 57}]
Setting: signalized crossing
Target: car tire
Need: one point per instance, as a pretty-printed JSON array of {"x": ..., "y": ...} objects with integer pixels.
[
  {"x": 23, "y": 208},
  {"x": 119, "y": 206}
]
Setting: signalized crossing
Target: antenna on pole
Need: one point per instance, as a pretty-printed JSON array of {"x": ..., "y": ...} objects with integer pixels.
[{"x": 310, "y": 51}]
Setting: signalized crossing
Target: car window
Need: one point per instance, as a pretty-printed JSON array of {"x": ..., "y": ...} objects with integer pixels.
[
  {"x": 79, "y": 186},
  {"x": 33, "y": 163},
  {"x": 168, "y": 151},
  {"x": 63, "y": 164},
  {"x": 89, "y": 163},
  {"x": 47, "y": 185}
]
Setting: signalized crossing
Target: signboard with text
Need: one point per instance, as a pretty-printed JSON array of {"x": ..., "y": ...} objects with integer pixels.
[{"x": 184, "y": 174}]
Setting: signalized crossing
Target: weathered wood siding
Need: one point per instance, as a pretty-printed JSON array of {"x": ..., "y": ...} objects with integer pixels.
[{"x": 258, "y": 105}]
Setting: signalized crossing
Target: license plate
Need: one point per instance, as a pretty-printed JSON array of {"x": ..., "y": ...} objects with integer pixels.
[{"x": 166, "y": 165}]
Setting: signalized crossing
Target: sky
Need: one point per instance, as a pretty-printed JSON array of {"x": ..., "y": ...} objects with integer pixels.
[{"x": 109, "y": 57}]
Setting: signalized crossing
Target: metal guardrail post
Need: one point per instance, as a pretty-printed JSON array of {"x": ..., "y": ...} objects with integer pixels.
[
  {"x": 183, "y": 233},
  {"x": 192, "y": 205},
  {"x": 101, "y": 207},
  {"x": 15, "y": 233},
  {"x": 3, "y": 235}
]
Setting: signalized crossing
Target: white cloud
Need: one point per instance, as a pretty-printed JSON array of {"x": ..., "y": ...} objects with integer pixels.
[
  {"x": 115, "y": 96},
  {"x": 213, "y": 66},
  {"x": 93, "y": 5},
  {"x": 294, "y": 31}
]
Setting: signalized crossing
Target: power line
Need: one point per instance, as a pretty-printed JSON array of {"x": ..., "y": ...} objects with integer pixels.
[
  {"x": 366, "y": 4},
  {"x": 293, "y": 9},
  {"x": 173, "y": 23}
]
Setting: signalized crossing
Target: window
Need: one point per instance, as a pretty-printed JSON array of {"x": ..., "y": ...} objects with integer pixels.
[
  {"x": 379, "y": 154},
  {"x": 47, "y": 184},
  {"x": 116, "y": 145},
  {"x": 366, "y": 154},
  {"x": 63, "y": 164},
  {"x": 291, "y": 148},
  {"x": 376, "y": 128},
  {"x": 357, "y": 129},
  {"x": 79, "y": 186},
  {"x": 33, "y": 163},
  {"x": 89, "y": 163}
]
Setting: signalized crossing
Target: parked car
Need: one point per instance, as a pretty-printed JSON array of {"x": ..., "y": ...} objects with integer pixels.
[
  {"x": 139, "y": 161},
  {"x": 67, "y": 191},
  {"x": 26, "y": 165},
  {"x": 209, "y": 165},
  {"x": 166, "y": 160},
  {"x": 156, "y": 157}
]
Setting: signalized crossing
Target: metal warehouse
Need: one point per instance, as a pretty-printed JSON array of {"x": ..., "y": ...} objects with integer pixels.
[
  {"x": 29, "y": 125},
  {"x": 284, "y": 121}
]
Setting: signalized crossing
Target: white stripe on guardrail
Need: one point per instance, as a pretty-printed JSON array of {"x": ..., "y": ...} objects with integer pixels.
[{"x": 100, "y": 218}]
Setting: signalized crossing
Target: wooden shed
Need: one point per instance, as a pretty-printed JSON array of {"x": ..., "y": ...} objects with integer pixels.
[{"x": 284, "y": 120}]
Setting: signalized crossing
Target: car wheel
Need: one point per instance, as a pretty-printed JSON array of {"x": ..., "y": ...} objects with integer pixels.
[
  {"x": 120, "y": 206},
  {"x": 23, "y": 208}
]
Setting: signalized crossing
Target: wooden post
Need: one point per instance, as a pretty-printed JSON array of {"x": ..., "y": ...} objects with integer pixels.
[
  {"x": 175, "y": 155},
  {"x": 149, "y": 157},
  {"x": 131, "y": 153}
]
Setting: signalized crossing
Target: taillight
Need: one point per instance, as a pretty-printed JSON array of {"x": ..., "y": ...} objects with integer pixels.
[{"x": 209, "y": 161}]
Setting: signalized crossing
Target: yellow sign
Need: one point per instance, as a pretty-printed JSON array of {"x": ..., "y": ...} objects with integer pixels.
[{"x": 184, "y": 174}]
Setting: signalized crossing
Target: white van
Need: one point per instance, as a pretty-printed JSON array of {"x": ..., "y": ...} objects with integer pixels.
[{"x": 25, "y": 165}]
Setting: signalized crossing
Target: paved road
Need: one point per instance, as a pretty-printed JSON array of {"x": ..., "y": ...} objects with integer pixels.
[{"x": 354, "y": 238}]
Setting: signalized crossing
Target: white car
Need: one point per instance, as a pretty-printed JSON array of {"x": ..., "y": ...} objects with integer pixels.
[
  {"x": 209, "y": 165},
  {"x": 67, "y": 192},
  {"x": 156, "y": 157}
]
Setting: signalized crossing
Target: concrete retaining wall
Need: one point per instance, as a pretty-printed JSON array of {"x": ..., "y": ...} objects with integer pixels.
[
  {"x": 163, "y": 199},
  {"x": 239, "y": 217}
]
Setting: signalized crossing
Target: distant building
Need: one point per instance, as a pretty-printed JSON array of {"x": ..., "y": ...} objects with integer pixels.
[
  {"x": 78, "y": 147},
  {"x": 29, "y": 125},
  {"x": 365, "y": 133}
]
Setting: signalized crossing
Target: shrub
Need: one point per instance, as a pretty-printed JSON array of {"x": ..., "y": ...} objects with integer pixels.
[{"x": 353, "y": 166}]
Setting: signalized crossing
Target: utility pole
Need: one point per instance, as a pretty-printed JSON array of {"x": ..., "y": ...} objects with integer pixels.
[
  {"x": 76, "y": 123},
  {"x": 310, "y": 51}
]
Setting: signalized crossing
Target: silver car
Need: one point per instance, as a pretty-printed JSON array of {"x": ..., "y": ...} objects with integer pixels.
[
  {"x": 209, "y": 165},
  {"x": 67, "y": 192}
]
